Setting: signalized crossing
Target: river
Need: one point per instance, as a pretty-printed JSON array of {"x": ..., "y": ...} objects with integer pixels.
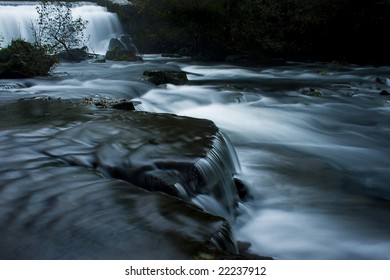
[{"x": 312, "y": 140}]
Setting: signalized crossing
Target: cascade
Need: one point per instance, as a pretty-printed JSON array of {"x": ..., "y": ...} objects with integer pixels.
[
  {"x": 16, "y": 19},
  {"x": 216, "y": 170}
]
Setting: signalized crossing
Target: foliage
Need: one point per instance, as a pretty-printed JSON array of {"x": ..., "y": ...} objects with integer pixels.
[
  {"x": 56, "y": 31},
  {"x": 307, "y": 29},
  {"x": 22, "y": 59},
  {"x": 196, "y": 26}
]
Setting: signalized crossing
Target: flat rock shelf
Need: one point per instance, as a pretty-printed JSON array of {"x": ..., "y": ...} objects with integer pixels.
[{"x": 81, "y": 182}]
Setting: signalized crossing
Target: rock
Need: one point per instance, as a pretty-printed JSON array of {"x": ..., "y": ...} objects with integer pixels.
[
  {"x": 242, "y": 189},
  {"x": 159, "y": 77},
  {"x": 118, "y": 54},
  {"x": 100, "y": 60},
  {"x": 124, "y": 42},
  {"x": 74, "y": 55},
  {"x": 384, "y": 93},
  {"x": 127, "y": 41},
  {"x": 121, "y": 104},
  {"x": 104, "y": 184},
  {"x": 311, "y": 92},
  {"x": 124, "y": 105},
  {"x": 115, "y": 43}
]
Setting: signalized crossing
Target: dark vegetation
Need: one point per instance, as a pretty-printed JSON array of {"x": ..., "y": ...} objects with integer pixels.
[
  {"x": 22, "y": 60},
  {"x": 354, "y": 31}
]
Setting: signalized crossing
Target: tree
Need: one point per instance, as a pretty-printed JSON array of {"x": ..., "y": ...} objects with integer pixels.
[
  {"x": 56, "y": 31},
  {"x": 345, "y": 30},
  {"x": 197, "y": 27}
]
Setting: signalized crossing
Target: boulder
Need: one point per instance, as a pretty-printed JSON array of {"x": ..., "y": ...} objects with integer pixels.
[
  {"x": 74, "y": 55},
  {"x": 115, "y": 43},
  {"x": 127, "y": 41},
  {"x": 118, "y": 54},
  {"x": 159, "y": 77},
  {"x": 124, "y": 42}
]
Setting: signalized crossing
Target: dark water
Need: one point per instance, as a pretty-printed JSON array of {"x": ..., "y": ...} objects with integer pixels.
[{"x": 318, "y": 166}]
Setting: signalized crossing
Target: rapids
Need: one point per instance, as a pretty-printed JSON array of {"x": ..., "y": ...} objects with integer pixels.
[{"x": 317, "y": 166}]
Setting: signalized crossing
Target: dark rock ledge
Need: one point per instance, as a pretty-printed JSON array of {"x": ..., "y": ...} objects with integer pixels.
[{"x": 85, "y": 183}]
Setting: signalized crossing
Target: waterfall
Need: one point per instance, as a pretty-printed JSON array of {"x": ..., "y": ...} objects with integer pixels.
[
  {"x": 16, "y": 19},
  {"x": 217, "y": 170}
]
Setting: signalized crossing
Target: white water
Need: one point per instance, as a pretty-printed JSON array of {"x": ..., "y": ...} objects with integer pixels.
[
  {"x": 16, "y": 22},
  {"x": 318, "y": 166}
]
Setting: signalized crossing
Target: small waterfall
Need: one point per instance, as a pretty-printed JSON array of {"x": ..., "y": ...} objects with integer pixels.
[
  {"x": 217, "y": 171},
  {"x": 16, "y": 19},
  {"x": 102, "y": 26}
]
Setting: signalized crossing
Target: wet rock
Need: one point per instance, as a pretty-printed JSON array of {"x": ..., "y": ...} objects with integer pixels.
[
  {"x": 384, "y": 93},
  {"x": 88, "y": 183},
  {"x": 242, "y": 189},
  {"x": 115, "y": 43},
  {"x": 118, "y": 54},
  {"x": 311, "y": 92},
  {"x": 80, "y": 215},
  {"x": 159, "y": 77},
  {"x": 100, "y": 60},
  {"x": 127, "y": 41},
  {"x": 124, "y": 105},
  {"x": 74, "y": 55},
  {"x": 124, "y": 42}
]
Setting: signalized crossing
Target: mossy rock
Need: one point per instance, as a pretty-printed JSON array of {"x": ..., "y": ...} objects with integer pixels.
[{"x": 22, "y": 59}]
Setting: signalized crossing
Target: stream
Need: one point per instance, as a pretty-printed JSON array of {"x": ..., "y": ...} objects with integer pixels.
[{"x": 311, "y": 139}]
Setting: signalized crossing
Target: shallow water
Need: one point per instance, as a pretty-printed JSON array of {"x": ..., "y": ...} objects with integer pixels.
[{"x": 318, "y": 166}]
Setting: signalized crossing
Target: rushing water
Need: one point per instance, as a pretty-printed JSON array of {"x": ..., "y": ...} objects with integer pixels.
[{"x": 318, "y": 166}]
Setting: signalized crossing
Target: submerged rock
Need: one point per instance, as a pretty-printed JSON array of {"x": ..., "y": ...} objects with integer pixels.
[
  {"x": 85, "y": 183},
  {"x": 159, "y": 77},
  {"x": 311, "y": 92}
]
